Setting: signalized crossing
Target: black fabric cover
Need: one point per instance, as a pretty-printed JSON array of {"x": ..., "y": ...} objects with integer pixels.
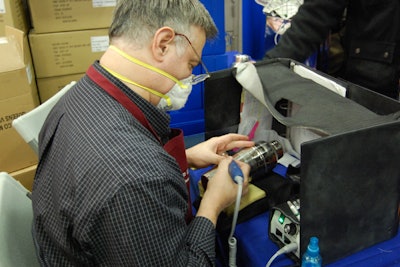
[
  {"x": 222, "y": 96},
  {"x": 321, "y": 110},
  {"x": 349, "y": 190}
]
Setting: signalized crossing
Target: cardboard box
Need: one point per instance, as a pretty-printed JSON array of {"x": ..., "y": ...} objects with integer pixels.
[
  {"x": 65, "y": 53},
  {"x": 25, "y": 176},
  {"x": 48, "y": 87},
  {"x": 13, "y": 13},
  {"x": 18, "y": 95},
  {"x": 70, "y": 15}
]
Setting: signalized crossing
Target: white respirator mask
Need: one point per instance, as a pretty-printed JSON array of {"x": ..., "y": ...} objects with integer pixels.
[{"x": 177, "y": 97}]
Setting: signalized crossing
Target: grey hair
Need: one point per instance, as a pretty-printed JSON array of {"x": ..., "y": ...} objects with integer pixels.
[{"x": 138, "y": 20}]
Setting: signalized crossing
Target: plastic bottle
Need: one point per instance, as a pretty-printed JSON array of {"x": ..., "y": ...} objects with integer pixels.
[{"x": 312, "y": 258}]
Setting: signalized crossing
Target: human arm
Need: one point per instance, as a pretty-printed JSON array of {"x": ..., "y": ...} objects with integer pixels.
[
  {"x": 142, "y": 224},
  {"x": 210, "y": 151},
  {"x": 309, "y": 28}
]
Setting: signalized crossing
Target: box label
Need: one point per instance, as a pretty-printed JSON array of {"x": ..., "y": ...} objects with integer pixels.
[
  {"x": 99, "y": 43},
  {"x": 2, "y": 7},
  {"x": 63, "y": 12},
  {"x": 6, "y": 120},
  {"x": 62, "y": 54},
  {"x": 3, "y": 40},
  {"x": 104, "y": 3}
]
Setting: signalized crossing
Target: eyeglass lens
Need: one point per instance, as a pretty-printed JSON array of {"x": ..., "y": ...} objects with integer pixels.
[{"x": 201, "y": 77}]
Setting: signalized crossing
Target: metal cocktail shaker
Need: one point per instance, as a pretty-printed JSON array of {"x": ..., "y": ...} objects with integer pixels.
[{"x": 262, "y": 158}]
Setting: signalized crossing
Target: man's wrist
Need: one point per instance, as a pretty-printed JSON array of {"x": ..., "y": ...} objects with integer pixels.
[{"x": 209, "y": 209}]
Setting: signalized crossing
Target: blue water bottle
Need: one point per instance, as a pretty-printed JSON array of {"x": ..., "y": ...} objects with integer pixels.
[{"x": 312, "y": 258}]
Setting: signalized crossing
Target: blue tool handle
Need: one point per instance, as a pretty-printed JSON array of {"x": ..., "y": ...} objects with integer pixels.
[{"x": 235, "y": 172}]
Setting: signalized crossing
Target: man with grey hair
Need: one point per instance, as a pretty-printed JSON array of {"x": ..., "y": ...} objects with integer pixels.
[{"x": 109, "y": 189}]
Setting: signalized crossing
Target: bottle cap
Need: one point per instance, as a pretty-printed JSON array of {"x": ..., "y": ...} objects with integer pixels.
[{"x": 313, "y": 248}]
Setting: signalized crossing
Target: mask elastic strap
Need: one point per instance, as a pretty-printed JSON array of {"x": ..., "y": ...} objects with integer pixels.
[
  {"x": 147, "y": 66},
  {"x": 125, "y": 79}
]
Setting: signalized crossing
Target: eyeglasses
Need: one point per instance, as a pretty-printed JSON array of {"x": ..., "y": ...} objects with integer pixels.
[{"x": 201, "y": 77}]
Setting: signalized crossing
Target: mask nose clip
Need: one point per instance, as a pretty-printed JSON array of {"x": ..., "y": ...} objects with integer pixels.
[{"x": 199, "y": 78}]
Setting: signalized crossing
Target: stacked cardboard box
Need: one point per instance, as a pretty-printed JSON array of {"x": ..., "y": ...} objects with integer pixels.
[
  {"x": 13, "y": 13},
  {"x": 18, "y": 95},
  {"x": 67, "y": 37},
  {"x": 70, "y": 15},
  {"x": 50, "y": 86},
  {"x": 62, "y": 57}
]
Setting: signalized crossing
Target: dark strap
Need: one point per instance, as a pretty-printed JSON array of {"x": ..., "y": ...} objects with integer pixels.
[
  {"x": 175, "y": 147},
  {"x": 119, "y": 96}
]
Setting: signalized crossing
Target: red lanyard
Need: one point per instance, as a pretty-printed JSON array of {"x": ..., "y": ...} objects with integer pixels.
[
  {"x": 175, "y": 147},
  {"x": 123, "y": 99}
]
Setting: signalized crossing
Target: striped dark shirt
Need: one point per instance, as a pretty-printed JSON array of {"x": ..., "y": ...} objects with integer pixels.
[{"x": 106, "y": 193}]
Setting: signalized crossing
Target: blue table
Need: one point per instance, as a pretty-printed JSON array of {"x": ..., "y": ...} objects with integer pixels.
[{"x": 254, "y": 248}]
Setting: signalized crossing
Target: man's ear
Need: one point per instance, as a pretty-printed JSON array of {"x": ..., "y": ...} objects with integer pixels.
[{"x": 161, "y": 42}]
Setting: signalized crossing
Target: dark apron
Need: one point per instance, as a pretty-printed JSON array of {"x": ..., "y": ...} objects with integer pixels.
[{"x": 174, "y": 147}]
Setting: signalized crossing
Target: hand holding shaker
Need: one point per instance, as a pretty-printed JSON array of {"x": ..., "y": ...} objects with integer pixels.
[{"x": 262, "y": 158}]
